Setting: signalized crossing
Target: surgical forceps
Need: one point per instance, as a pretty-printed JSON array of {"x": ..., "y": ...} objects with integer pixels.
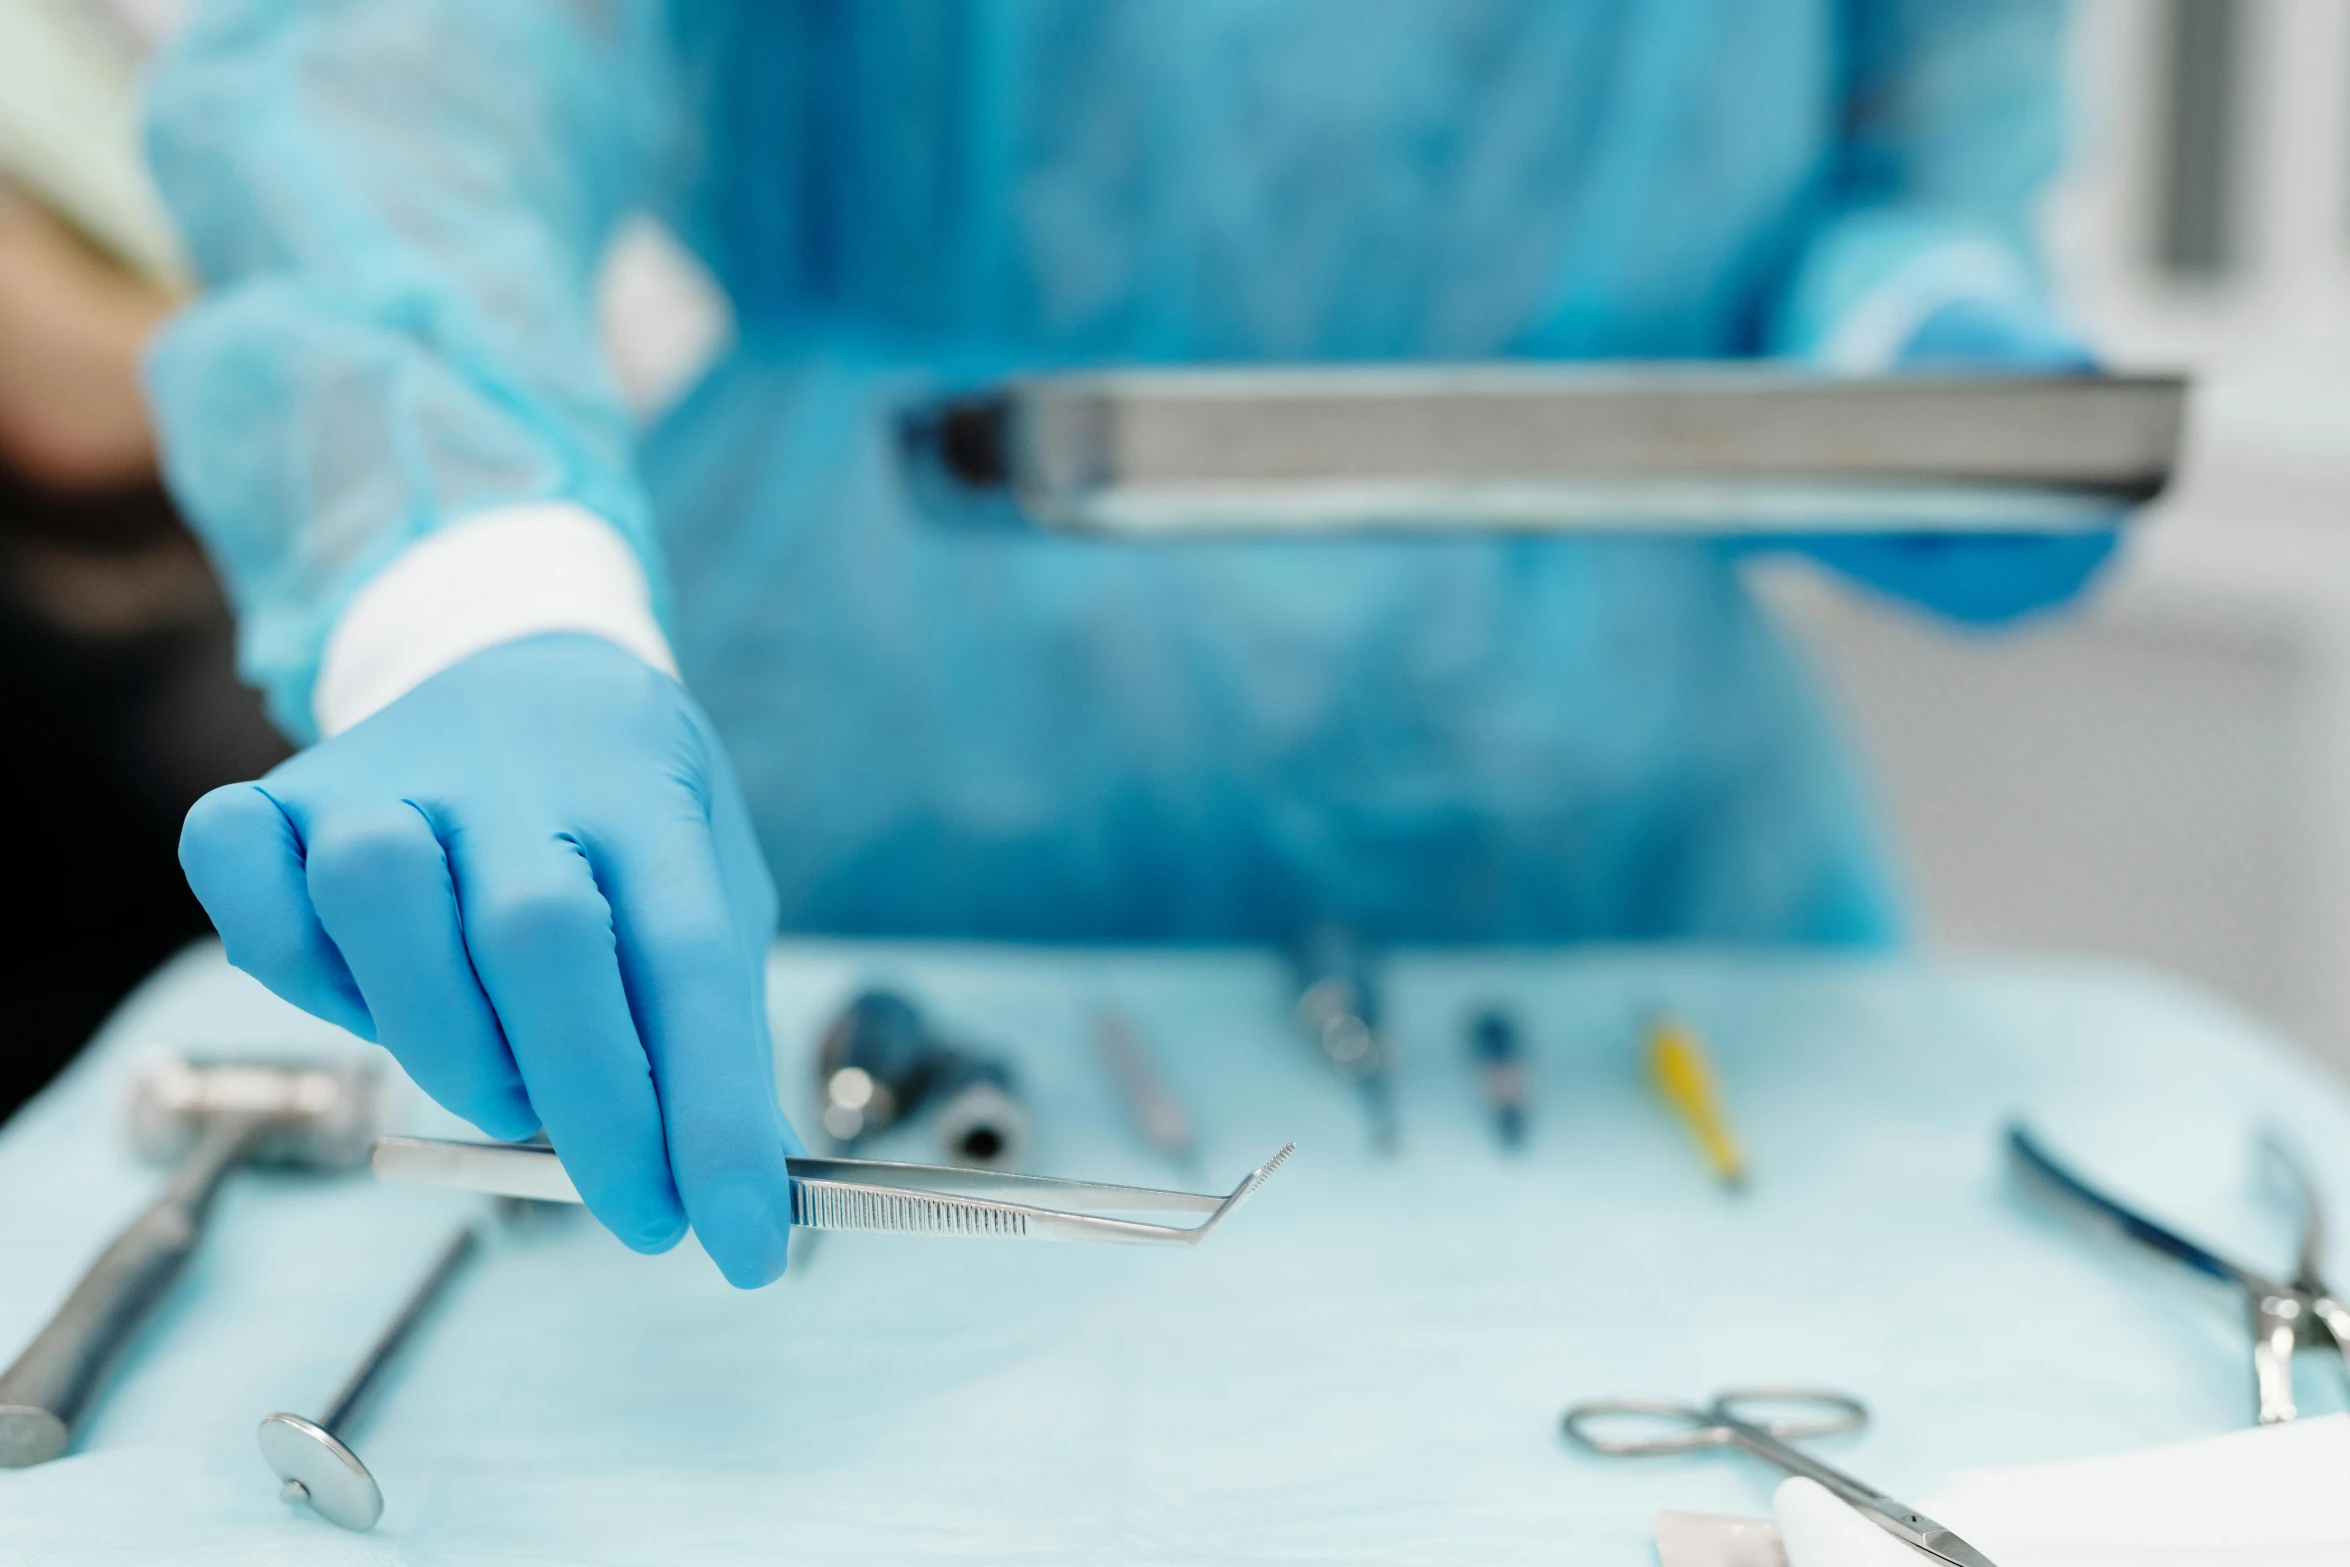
[
  {"x": 867, "y": 1195},
  {"x": 1744, "y": 1418},
  {"x": 2286, "y": 1314}
]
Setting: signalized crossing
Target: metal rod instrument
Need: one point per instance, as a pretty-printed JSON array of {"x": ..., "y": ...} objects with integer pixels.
[
  {"x": 868, "y": 1195},
  {"x": 1757, "y": 1420},
  {"x": 312, "y": 1457},
  {"x": 1160, "y": 1117},
  {"x": 1338, "y": 1009}
]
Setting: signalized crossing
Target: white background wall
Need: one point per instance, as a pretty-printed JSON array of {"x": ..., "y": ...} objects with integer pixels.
[{"x": 2165, "y": 776}]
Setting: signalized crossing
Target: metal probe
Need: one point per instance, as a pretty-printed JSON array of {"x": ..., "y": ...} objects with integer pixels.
[
  {"x": 310, "y": 1455},
  {"x": 1338, "y": 1008}
]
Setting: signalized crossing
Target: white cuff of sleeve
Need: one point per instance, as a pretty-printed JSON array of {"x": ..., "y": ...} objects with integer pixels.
[
  {"x": 1869, "y": 336},
  {"x": 518, "y": 571}
]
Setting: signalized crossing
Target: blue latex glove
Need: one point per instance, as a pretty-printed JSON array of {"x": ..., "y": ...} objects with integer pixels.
[
  {"x": 1981, "y": 579},
  {"x": 532, "y": 879}
]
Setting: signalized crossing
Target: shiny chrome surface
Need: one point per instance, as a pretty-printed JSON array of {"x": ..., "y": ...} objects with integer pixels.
[
  {"x": 317, "y": 1470},
  {"x": 1549, "y": 447}
]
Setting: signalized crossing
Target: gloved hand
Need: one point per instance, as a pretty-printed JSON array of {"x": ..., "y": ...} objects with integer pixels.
[
  {"x": 533, "y": 880},
  {"x": 1982, "y": 579}
]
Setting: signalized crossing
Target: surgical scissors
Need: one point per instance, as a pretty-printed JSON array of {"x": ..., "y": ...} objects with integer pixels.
[
  {"x": 865, "y": 1194},
  {"x": 2286, "y": 1314},
  {"x": 1762, "y": 1421}
]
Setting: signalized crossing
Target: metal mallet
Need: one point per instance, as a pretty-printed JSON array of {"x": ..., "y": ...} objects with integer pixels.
[
  {"x": 210, "y": 1116},
  {"x": 310, "y": 1456}
]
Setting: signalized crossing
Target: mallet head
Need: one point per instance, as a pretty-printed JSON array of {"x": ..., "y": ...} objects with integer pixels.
[{"x": 318, "y": 1114}]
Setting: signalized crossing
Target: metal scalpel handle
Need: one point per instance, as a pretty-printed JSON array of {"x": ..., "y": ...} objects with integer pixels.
[{"x": 44, "y": 1393}]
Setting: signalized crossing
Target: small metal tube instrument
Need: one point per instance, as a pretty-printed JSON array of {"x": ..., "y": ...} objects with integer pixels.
[
  {"x": 1501, "y": 1073},
  {"x": 1338, "y": 1009},
  {"x": 312, "y": 1457},
  {"x": 868, "y": 1195},
  {"x": 980, "y": 1120},
  {"x": 880, "y": 1064}
]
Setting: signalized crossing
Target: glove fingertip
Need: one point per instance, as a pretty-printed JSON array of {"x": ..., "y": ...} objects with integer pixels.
[
  {"x": 745, "y": 1229},
  {"x": 654, "y": 1239},
  {"x": 509, "y": 1121},
  {"x": 244, "y": 864}
]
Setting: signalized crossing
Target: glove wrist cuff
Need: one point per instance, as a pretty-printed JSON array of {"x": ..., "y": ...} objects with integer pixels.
[
  {"x": 499, "y": 576},
  {"x": 1867, "y": 339}
]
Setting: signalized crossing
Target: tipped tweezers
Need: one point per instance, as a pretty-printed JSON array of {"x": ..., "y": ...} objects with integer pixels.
[{"x": 865, "y": 1194}]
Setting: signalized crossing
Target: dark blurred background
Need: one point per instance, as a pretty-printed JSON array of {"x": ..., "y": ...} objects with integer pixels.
[{"x": 117, "y": 692}]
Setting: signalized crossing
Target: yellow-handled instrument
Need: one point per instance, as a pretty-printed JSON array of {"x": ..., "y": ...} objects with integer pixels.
[{"x": 1684, "y": 1079}]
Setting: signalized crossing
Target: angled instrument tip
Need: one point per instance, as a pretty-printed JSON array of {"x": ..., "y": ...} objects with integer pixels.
[{"x": 1240, "y": 1194}]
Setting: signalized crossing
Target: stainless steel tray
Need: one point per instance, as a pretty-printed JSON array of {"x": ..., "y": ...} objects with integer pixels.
[{"x": 1708, "y": 448}]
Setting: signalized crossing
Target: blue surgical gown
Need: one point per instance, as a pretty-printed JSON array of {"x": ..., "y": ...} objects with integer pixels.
[{"x": 950, "y": 728}]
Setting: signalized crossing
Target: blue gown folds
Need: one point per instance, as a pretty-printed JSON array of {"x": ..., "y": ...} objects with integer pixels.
[{"x": 951, "y": 728}]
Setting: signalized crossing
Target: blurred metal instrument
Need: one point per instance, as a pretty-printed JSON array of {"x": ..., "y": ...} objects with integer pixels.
[
  {"x": 310, "y": 1456},
  {"x": 872, "y": 1066},
  {"x": 2286, "y": 1315},
  {"x": 880, "y": 1064},
  {"x": 211, "y": 1117},
  {"x": 1501, "y": 1071},
  {"x": 1338, "y": 1008},
  {"x": 1532, "y": 447},
  {"x": 980, "y": 1119},
  {"x": 1160, "y": 1118},
  {"x": 867, "y": 1195},
  {"x": 1762, "y": 1421}
]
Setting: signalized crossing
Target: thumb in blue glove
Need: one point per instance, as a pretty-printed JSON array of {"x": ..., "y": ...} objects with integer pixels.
[
  {"x": 1981, "y": 579},
  {"x": 533, "y": 880}
]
